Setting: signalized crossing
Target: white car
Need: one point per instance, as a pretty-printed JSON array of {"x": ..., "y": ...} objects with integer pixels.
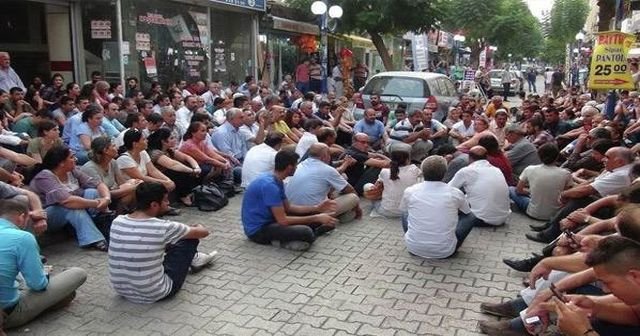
[{"x": 517, "y": 81}]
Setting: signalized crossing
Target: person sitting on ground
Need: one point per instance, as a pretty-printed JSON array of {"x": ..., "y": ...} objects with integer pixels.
[
  {"x": 486, "y": 190},
  {"x": 71, "y": 197},
  {"x": 368, "y": 164},
  {"x": 211, "y": 162},
  {"x": 228, "y": 140},
  {"x": 275, "y": 114},
  {"x": 48, "y": 137},
  {"x": 89, "y": 129},
  {"x": 267, "y": 215},
  {"x": 615, "y": 177},
  {"x": 309, "y": 137},
  {"x": 411, "y": 131},
  {"x": 464, "y": 129},
  {"x": 261, "y": 158},
  {"x": 496, "y": 157},
  {"x": 329, "y": 136},
  {"x": 295, "y": 122},
  {"x": 395, "y": 180},
  {"x": 315, "y": 181},
  {"x": 521, "y": 153},
  {"x": 498, "y": 126},
  {"x": 149, "y": 258},
  {"x": 481, "y": 128},
  {"x": 430, "y": 222},
  {"x": 456, "y": 160},
  {"x": 180, "y": 168},
  {"x": 19, "y": 253},
  {"x": 580, "y": 152},
  {"x": 540, "y": 185},
  {"x": 438, "y": 131},
  {"x": 134, "y": 162},
  {"x": 102, "y": 166},
  {"x": 373, "y": 128},
  {"x": 134, "y": 120}
]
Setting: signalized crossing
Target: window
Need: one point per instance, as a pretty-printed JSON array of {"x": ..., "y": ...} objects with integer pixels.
[{"x": 397, "y": 86}]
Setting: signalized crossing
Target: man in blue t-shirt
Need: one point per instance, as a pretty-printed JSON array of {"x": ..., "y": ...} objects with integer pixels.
[
  {"x": 267, "y": 216},
  {"x": 372, "y": 127}
]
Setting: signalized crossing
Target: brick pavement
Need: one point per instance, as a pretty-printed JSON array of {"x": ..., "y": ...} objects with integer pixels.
[{"x": 359, "y": 280}]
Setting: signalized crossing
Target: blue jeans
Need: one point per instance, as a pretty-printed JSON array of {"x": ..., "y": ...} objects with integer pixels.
[
  {"x": 302, "y": 86},
  {"x": 521, "y": 201},
  {"x": 177, "y": 261},
  {"x": 462, "y": 229},
  {"x": 80, "y": 219}
]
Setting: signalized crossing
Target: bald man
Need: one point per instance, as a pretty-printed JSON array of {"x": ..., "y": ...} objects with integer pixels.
[
  {"x": 368, "y": 164},
  {"x": 315, "y": 180},
  {"x": 615, "y": 177},
  {"x": 8, "y": 77},
  {"x": 486, "y": 191}
]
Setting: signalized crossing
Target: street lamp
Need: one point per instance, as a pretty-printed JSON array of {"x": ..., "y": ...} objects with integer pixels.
[
  {"x": 459, "y": 39},
  {"x": 319, "y": 8},
  {"x": 509, "y": 56}
]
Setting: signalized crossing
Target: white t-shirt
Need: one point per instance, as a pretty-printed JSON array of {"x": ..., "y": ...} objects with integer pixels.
[
  {"x": 466, "y": 132},
  {"x": 433, "y": 216},
  {"x": 183, "y": 117},
  {"x": 545, "y": 185},
  {"x": 126, "y": 161},
  {"x": 393, "y": 190},
  {"x": 259, "y": 159},
  {"x": 306, "y": 140},
  {"x": 612, "y": 182},
  {"x": 487, "y": 191},
  {"x": 548, "y": 76}
]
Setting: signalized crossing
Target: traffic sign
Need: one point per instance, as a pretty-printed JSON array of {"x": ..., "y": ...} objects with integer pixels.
[{"x": 609, "y": 68}]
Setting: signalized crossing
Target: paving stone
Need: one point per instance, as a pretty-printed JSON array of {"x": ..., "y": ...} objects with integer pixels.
[{"x": 360, "y": 280}]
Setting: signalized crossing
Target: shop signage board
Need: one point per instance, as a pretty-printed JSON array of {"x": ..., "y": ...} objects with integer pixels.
[
  {"x": 609, "y": 67},
  {"x": 420, "y": 52},
  {"x": 259, "y": 5}
]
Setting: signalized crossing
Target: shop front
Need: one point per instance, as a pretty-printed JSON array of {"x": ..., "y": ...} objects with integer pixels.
[
  {"x": 38, "y": 36},
  {"x": 167, "y": 41}
]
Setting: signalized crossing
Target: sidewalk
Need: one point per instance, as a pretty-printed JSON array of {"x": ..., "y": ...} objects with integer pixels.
[{"x": 359, "y": 280}]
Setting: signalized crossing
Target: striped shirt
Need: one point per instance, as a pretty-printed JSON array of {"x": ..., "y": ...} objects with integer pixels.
[{"x": 136, "y": 255}]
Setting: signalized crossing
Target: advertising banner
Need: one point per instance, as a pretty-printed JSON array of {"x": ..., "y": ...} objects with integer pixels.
[{"x": 609, "y": 67}]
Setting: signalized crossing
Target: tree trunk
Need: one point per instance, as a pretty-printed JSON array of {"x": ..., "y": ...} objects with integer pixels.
[
  {"x": 476, "y": 49},
  {"x": 377, "y": 40}
]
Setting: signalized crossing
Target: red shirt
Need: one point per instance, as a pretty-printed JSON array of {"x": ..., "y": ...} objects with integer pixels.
[
  {"x": 302, "y": 73},
  {"x": 501, "y": 162}
]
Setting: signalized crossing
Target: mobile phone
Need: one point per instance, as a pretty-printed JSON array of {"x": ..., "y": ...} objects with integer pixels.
[
  {"x": 557, "y": 294},
  {"x": 571, "y": 237}
]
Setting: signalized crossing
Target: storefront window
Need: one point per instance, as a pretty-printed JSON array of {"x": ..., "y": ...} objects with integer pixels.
[
  {"x": 166, "y": 41},
  {"x": 100, "y": 39},
  {"x": 231, "y": 45}
]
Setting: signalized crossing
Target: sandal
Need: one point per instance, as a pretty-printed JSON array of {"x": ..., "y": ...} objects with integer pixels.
[{"x": 100, "y": 246}]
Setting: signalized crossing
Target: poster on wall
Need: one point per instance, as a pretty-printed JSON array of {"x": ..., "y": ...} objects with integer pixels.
[
  {"x": 100, "y": 29},
  {"x": 176, "y": 38}
]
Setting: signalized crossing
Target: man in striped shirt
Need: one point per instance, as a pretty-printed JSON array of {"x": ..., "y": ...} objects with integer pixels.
[{"x": 149, "y": 257}]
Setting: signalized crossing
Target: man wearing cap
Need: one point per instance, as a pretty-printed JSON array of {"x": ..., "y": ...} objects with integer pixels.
[{"x": 521, "y": 153}]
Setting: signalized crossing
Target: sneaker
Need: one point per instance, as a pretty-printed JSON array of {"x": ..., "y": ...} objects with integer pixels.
[
  {"x": 296, "y": 245},
  {"x": 499, "y": 309},
  {"x": 499, "y": 328},
  {"x": 201, "y": 260},
  {"x": 523, "y": 265}
]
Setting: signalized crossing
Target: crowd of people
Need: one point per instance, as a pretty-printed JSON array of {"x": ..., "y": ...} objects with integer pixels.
[{"x": 111, "y": 161}]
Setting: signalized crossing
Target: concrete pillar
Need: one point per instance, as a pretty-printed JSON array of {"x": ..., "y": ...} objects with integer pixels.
[{"x": 59, "y": 41}]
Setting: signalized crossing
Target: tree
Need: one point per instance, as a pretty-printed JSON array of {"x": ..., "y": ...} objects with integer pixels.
[
  {"x": 508, "y": 24},
  {"x": 567, "y": 19},
  {"x": 380, "y": 17}
]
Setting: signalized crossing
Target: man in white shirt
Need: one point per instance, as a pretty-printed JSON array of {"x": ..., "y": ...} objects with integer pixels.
[
  {"x": 431, "y": 224},
  {"x": 486, "y": 190},
  {"x": 185, "y": 113},
  {"x": 464, "y": 129},
  {"x": 309, "y": 137},
  {"x": 261, "y": 158},
  {"x": 252, "y": 130}
]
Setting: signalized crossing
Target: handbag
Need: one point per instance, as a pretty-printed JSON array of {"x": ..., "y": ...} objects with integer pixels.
[{"x": 208, "y": 197}]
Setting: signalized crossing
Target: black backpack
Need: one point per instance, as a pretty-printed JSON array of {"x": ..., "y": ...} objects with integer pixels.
[
  {"x": 227, "y": 187},
  {"x": 209, "y": 198}
]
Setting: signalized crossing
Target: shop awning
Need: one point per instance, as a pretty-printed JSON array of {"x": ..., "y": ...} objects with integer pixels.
[
  {"x": 295, "y": 26},
  {"x": 356, "y": 41}
]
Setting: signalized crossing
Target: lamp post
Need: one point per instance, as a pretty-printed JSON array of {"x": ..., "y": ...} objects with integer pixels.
[
  {"x": 493, "y": 51},
  {"x": 458, "y": 39},
  {"x": 319, "y": 8},
  {"x": 579, "y": 39}
]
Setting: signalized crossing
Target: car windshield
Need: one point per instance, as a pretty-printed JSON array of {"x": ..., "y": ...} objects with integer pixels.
[
  {"x": 397, "y": 86},
  {"x": 495, "y": 74}
]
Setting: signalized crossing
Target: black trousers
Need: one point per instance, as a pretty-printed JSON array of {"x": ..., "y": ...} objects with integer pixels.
[{"x": 285, "y": 233}]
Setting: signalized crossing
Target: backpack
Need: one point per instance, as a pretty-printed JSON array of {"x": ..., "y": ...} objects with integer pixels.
[
  {"x": 208, "y": 197},
  {"x": 227, "y": 187}
]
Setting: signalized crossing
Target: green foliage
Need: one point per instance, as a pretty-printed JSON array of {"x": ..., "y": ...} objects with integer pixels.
[
  {"x": 567, "y": 19},
  {"x": 554, "y": 51}
]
